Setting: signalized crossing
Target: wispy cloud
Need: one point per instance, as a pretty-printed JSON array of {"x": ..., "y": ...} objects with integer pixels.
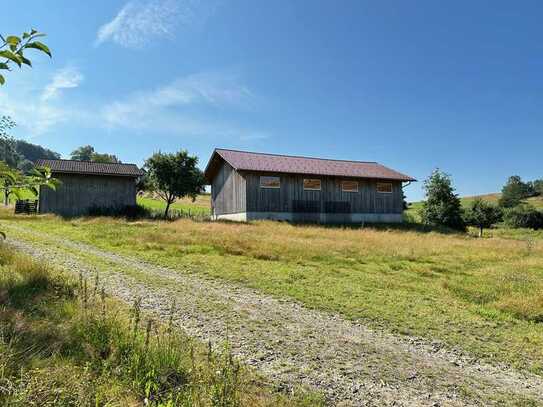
[
  {"x": 199, "y": 105},
  {"x": 38, "y": 109},
  {"x": 33, "y": 115},
  {"x": 166, "y": 107},
  {"x": 65, "y": 78},
  {"x": 254, "y": 136},
  {"x": 139, "y": 22}
]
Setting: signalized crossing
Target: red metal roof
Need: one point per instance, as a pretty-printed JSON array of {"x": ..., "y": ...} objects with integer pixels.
[
  {"x": 91, "y": 168},
  {"x": 249, "y": 161}
]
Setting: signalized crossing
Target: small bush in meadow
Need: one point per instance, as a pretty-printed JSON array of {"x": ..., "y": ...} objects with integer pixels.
[{"x": 524, "y": 216}]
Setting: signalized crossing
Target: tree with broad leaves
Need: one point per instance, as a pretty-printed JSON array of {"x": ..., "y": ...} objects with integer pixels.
[
  {"x": 13, "y": 182},
  {"x": 83, "y": 153},
  {"x": 12, "y": 51},
  {"x": 514, "y": 192},
  {"x": 483, "y": 214},
  {"x": 174, "y": 176},
  {"x": 88, "y": 153},
  {"x": 13, "y": 48},
  {"x": 442, "y": 206}
]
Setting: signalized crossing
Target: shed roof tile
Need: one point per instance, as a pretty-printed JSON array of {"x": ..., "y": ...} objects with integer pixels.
[
  {"x": 91, "y": 168},
  {"x": 261, "y": 162}
]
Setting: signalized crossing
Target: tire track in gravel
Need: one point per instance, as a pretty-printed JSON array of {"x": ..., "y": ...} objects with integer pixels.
[{"x": 293, "y": 345}]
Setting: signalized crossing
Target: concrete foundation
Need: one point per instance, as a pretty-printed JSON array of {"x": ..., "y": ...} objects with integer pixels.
[{"x": 324, "y": 218}]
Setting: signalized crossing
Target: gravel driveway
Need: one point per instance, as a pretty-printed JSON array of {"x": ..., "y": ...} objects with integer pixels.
[{"x": 292, "y": 345}]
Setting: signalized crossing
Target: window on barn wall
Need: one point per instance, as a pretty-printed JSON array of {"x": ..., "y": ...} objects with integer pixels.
[
  {"x": 270, "y": 182},
  {"x": 384, "y": 187},
  {"x": 312, "y": 184},
  {"x": 349, "y": 186}
]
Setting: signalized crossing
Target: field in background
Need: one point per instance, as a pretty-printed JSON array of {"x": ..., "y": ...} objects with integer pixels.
[
  {"x": 201, "y": 206},
  {"x": 414, "y": 207},
  {"x": 13, "y": 198},
  {"x": 63, "y": 343},
  {"x": 479, "y": 295}
]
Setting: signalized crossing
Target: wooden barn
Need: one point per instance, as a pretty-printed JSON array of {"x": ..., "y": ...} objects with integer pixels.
[
  {"x": 249, "y": 186},
  {"x": 87, "y": 185}
]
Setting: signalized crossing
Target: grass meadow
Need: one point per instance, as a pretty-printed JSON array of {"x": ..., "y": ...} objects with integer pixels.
[
  {"x": 64, "y": 343},
  {"x": 414, "y": 207},
  {"x": 186, "y": 206},
  {"x": 479, "y": 295}
]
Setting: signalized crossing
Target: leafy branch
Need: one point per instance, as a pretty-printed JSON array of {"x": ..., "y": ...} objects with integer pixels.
[{"x": 12, "y": 50}]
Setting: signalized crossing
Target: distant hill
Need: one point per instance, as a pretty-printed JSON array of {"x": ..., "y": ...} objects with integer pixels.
[
  {"x": 33, "y": 152},
  {"x": 536, "y": 201},
  {"x": 22, "y": 154}
]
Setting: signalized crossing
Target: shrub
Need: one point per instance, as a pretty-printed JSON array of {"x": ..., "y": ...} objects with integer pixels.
[
  {"x": 128, "y": 211},
  {"x": 482, "y": 214},
  {"x": 523, "y": 216},
  {"x": 442, "y": 206}
]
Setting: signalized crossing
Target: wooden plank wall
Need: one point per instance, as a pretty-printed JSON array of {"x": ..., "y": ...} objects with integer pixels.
[
  {"x": 228, "y": 191},
  {"x": 366, "y": 200},
  {"x": 78, "y": 193}
]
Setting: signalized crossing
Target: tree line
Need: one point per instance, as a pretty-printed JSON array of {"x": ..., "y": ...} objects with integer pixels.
[{"x": 443, "y": 206}]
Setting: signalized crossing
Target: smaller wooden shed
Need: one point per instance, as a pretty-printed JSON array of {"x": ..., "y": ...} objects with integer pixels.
[{"x": 87, "y": 185}]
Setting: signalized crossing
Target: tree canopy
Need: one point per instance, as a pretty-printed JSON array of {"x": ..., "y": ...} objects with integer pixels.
[
  {"x": 13, "y": 181},
  {"x": 442, "y": 206},
  {"x": 482, "y": 214},
  {"x": 88, "y": 153},
  {"x": 174, "y": 176},
  {"x": 514, "y": 192}
]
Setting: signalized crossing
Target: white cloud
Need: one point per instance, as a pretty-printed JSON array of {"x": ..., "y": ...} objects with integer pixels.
[
  {"x": 139, "y": 22},
  {"x": 162, "y": 108},
  {"x": 193, "y": 106},
  {"x": 33, "y": 115},
  {"x": 36, "y": 108},
  {"x": 64, "y": 78},
  {"x": 254, "y": 136}
]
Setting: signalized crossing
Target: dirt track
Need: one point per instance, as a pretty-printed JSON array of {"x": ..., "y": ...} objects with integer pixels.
[{"x": 293, "y": 345}]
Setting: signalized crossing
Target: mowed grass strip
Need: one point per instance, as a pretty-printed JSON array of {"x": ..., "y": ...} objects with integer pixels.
[{"x": 484, "y": 296}]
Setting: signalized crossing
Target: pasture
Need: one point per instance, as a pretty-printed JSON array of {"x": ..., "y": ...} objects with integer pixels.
[
  {"x": 186, "y": 206},
  {"x": 479, "y": 296}
]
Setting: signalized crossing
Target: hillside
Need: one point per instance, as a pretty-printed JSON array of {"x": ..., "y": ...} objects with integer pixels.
[{"x": 494, "y": 197}]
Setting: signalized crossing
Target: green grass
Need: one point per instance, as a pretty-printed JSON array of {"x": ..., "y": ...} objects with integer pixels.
[
  {"x": 64, "y": 343},
  {"x": 23, "y": 195},
  {"x": 200, "y": 207},
  {"x": 484, "y": 296},
  {"x": 412, "y": 213}
]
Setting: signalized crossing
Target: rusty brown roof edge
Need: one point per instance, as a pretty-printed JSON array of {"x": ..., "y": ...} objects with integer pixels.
[
  {"x": 401, "y": 177},
  {"x": 297, "y": 156}
]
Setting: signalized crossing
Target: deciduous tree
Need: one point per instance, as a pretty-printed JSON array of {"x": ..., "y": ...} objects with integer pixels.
[
  {"x": 88, "y": 153},
  {"x": 174, "y": 176},
  {"x": 482, "y": 214},
  {"x": 442, "y": 206},
  {"x": 514, "y": 192}
]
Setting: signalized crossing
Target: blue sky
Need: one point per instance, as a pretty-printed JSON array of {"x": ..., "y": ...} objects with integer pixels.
[{"x": 413, "y": 85}]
